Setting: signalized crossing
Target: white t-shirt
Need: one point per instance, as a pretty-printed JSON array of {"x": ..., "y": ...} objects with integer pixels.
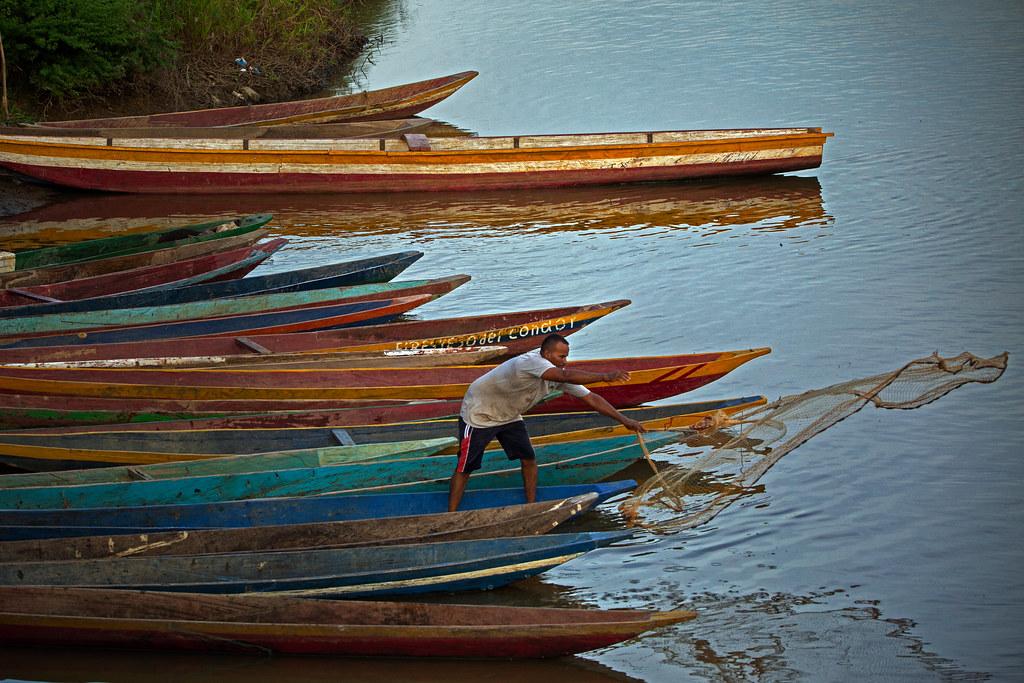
[{"x": 504, "y": 393}]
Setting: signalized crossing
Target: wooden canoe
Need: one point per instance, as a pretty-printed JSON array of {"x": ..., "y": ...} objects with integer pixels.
[
  {"x": 344, "y": 274},
  {"x": 298, "y": 458},
  {"x": 336, "y": 360},
  {"x": 20, "y": 411},
  {"x": 81, "y": 324},
  {"x": 515, "y": 520},
  {"x": 249, "y": 435},
  {"x": 519, "y": 331},
  {"x": 231, "y": 239},
  {"x": 387, "y": 103},
  {"x": 122, "y": 245},
  {"x": 269, "y": 624},
  {"x": 332, "y": 507},
  {"x": 652, "y": 378},
  {"x": 337, "y": 573},
  {"x": 572, "y": 462},
  {"x": 212, "y": 136},
  {"x": 420, "y": 164},
  {"x": 225, "y": 265},
  {"x": 328, "y": 315}
]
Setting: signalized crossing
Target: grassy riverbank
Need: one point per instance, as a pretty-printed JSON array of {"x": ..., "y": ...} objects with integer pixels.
[{"x": 86, "y": 58}]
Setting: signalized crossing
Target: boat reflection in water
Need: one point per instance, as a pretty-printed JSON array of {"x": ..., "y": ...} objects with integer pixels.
[{"x": 762, "y": 204}]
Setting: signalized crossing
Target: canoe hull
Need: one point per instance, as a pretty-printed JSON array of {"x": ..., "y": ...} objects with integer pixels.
[
  {"x": 410, "y": 569},
  {"x": 519, "y": 332},
  {"x": 577, "y": 462},
  {"x": 226, "y": 265},
  {"x": 481, "y": 164},
  {"x": 348, "y": 273},
  {"x": 518, "y": 520},
  {"x": 387, "y": 103},
  {"x": 262, "y": 624},
  {"x": 59, "y": 523}
]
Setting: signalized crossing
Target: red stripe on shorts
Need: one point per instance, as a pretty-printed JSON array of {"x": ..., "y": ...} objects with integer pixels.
[{"x": 467, "y": 435}]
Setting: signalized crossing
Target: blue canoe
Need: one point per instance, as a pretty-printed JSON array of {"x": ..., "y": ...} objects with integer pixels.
[
  {"x": 150, "y": 316},
  {"x": 358, "y": 272},
  {"x": 573, "y": 462},
  {"x": 26, "y": 524},
  {"x": 272, "y": 322},
  {"x": 330, "y": 573}
]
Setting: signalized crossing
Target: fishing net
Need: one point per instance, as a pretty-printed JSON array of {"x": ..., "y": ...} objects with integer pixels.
[{"x": 682, "y": 497}]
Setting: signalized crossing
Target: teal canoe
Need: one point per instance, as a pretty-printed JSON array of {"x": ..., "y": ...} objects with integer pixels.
[
  {"x": 233, "y": 464},
  {"x": 64, "y": 323},
  {"x": 564, "y": 463}
]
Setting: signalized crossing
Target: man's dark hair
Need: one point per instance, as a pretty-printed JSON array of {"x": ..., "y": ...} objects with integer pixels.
[{"x": 550, "y": 341}]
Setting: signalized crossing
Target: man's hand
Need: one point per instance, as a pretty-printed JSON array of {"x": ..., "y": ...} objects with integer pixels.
[
  {"x": 616, "y": 376},
  {"x": 633, "y": 425}
]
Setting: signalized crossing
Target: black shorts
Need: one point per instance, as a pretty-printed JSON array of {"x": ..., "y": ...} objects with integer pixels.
[{"x": 473, "y": 440}]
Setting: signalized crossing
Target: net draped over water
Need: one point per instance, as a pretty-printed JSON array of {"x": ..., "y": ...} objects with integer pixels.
[{"x": 681, "y": 497}]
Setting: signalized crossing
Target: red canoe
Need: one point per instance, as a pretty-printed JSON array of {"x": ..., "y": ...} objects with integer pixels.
[
  {"x": 518, "y": 331},
  {"x": 225, "y": 265},
  {"x": 396, "y": 102},
  {"x": 652, "y": 378},
  {"x": 261, "y": 624},
  {"x": 43, "y": 276}
]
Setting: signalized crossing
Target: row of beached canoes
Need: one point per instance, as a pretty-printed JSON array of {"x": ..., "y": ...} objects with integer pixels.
[
  {"x": 308, "y": 463},
  {"x": 205, "y": 451},
  {"x": 374, "y": 149}
]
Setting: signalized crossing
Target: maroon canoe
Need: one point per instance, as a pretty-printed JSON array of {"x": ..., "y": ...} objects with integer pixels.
[
  {"x": 518, "y": 331},
  {"x": 396, "y": 102},
  {"x": 224, "y": 265},
  {"x": 71, "y": 271},
  {"x": 260, "y": 624}
]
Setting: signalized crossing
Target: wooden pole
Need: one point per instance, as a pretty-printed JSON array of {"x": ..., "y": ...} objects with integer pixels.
[{"x": 3, "y": 74}]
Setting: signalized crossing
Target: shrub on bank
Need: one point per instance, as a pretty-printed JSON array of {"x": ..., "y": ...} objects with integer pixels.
[{"x": 61, "y": 53}]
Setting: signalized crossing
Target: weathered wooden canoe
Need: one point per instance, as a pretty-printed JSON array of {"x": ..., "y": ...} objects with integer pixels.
[
  {"x": 327, "y": 315},
  {"x": 344, "y": 274},
  {"x": 652, "y": 378},
  {"x": 212, "y": 136},
  {"x": 230, "y": 239},
  {"x": 424, "y": 164},
  {"x": 256, "y": 461},
  {"x": 121, "y": 245},
  {"x": 253, "y": 434},
  {"x": 20, "y": 411},
  {"x": 387, "y": 103},
  {"x": 572, "y": 462},
  {"x": 270, "y": 624},
  {"x": 336, "y": 360},
  {"x": 332, "y": 573},
  {"x": 71, "y": 522},
  {"x": 78, "y": 324},
  {"x": 286, "y": 459},
  {"x": 514, "y": 520},
  {"x": 519, "y": 331},
  {"x": 225, "y": 265}
]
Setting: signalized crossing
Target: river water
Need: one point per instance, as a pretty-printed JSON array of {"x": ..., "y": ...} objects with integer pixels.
[{"x": 887, "y": 548}]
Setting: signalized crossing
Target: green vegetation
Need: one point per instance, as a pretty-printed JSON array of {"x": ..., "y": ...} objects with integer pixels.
[{"x": 66, "y": 54}]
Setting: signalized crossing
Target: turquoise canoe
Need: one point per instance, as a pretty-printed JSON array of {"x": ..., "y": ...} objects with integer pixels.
[
  {"x": 233, "y": 464},
  {"x": 565, "y": 463},
  {"x": 66, "y": 322}
]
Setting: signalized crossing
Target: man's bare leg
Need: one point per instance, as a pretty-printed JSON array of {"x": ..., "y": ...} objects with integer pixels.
[
  {"x": 529, "y": 468},
  {"x": 457, "y": 486}
]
